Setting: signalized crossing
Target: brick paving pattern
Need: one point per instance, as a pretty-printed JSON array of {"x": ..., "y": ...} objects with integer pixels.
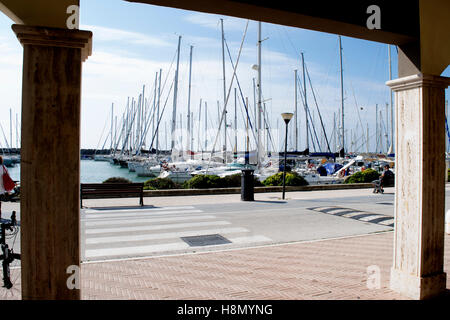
[{"x": 323, "y": 270}]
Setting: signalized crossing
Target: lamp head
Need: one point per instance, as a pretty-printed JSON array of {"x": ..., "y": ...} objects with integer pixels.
[{"x": 287, "y": 117}]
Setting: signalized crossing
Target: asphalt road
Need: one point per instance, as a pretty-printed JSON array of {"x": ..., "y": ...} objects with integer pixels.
[
  {"x": 127, "y": 232},
  {"x": 178, "y": 225}
]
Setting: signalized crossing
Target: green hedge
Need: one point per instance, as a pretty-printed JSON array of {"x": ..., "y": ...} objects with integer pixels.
[
  {"x": 204, "y": 181},
  {"x": 292, "y": 179},
  {"x": 160, "y": 184},
  {"x": 365, "y": 176},
  {"x": 117, "y": 180},
  {"x": 212, "y": 181}
]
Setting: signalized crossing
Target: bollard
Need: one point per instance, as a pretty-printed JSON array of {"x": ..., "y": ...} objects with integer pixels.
[{"x": 247, "y": 185}]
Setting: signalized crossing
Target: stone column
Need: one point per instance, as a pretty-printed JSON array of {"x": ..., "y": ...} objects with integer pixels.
[
  {"x": 417, "y": 270},
  {"x": 50, "y": 159}
]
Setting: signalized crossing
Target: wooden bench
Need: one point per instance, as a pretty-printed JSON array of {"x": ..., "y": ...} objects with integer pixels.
[{"x": 112, "y": 190}]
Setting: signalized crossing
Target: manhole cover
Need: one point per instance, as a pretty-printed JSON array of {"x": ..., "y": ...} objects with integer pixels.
[
  {"x": 205, "y": 240},
  {"x": 386, "y": 203}
]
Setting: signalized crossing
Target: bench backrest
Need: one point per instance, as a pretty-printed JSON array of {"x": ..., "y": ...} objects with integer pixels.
[{"x": 112, "y": 186}]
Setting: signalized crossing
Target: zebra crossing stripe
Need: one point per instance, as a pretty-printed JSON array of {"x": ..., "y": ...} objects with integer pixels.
[
  {"x": 357, "y": 215},
  {"x": 352, "y": 214},
  {"x": 166, "y": 235},
  {"x": 365, "y": 216},
  {"x": 344, "y": 212},
  {"x": 330, "y": 209},
  {"x": 140, "y": 220},
  {"x": 149, "y": 249},
  {"x": 389, "y": 223},
  {"x": 155, "y": 227}
]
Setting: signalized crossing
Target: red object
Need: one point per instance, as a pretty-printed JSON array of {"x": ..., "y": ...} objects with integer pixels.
[{"x": 8, "y": 183}]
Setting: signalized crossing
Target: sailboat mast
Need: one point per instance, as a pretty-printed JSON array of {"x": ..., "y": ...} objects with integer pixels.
[
  {"x": 258, "y": 150},
  {"x": 10, "y": 130},
  {"x": 192, "y": 136},
  {"x": 295, "y": 111},
  {"x": 367, "y": 139},
  {"x": 306, "y": 103},
  {"x": 376, "y": 128},
  {"x": 224, "y": 97},
  {"x": 189, "y": 104},
  {"x": 17, "y": 132},
  {"x": 247, "y": 144},
  {"x": 391, "y": 149},
  {"x": 112, "y": 119},
  {"x": 342, "y": 94},
  {"x": 254, "y": 101},
  {"x": 198, "y": 131},
  {"x": 235, "y": 123},
  {"x": 175, "y": 92},
  {"x": 206, "y": 126},
  {"x": 387, "y": 128},
  {"x": 115, "y": 134},
  {"x": 157, "y": 111},
  {"x": 154, "y": 118}
]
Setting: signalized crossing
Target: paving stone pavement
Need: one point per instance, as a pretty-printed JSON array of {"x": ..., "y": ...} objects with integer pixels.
[
  {"x": 335, "y": 269},
  {"x": 321, "y": 270}
]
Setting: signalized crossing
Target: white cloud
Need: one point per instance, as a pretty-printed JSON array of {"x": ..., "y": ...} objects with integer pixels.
[
  {"x": 104, "y": 34},
  {"x": 212, "y": 21}
]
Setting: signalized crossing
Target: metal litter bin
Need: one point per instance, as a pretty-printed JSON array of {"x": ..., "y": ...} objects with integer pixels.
[{"x": 247, "y": 185}]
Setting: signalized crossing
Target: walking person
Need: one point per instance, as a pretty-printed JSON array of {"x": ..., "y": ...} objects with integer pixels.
[{"x": 6, "y": 184}]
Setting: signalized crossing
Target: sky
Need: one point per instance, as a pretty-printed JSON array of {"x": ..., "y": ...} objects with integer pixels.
[{"x": 132, "y": 42}]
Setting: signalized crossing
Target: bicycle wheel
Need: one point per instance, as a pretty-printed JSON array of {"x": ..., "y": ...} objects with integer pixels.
[{"x": 10, "y": 288}]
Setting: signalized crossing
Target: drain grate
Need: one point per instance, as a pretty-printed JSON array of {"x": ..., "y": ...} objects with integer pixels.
[{"x": 205, "y": 240}]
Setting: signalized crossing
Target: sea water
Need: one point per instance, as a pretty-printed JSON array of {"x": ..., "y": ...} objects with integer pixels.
[{"x": 93, "y": 172}]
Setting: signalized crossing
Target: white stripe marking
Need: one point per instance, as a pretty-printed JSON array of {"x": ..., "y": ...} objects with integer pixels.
[
  {"x": 166, "y": 247},
  {"x": 168, "y": 235},
  {"x": 133, "y": 221},
  {"x": 352, "y": 214},
  {"x": 157, "y": 227},
  {"x": 137, "y": 214},
  {"x": 371, "y": 217},
  {"x": 387, "y": 222}
]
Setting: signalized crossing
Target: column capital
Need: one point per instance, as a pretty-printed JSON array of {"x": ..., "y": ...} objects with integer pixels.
[
  {"x": 55, "y": 37},
  {"x": 418, "y": 80}
]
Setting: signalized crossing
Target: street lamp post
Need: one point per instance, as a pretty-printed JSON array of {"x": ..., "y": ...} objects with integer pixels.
[{"x": 286, "y": 117}]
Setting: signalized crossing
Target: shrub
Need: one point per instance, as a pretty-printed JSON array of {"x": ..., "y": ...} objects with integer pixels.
[
  {"x": 213, "y": 181},
  {"x": 365, "y": 176},
  {"x": 292, "y": 179},
  {"x": 448, "y": 175},
  {"x": 160, "y": 184},
  {"x": 117, "y": 180},
  {"x": 232, "y": 181},
  {"x": 202, "y": 181}
]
